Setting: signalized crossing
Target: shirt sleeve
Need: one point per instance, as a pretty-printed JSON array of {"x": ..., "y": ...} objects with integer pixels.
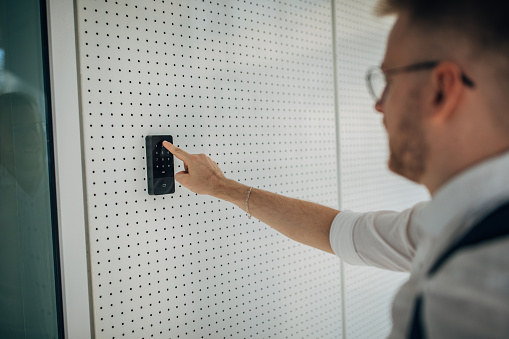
[{"x": 384, "y": 239}]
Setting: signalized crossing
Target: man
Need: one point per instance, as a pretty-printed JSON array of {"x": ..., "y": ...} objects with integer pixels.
[{"x": 444, "y": 101}]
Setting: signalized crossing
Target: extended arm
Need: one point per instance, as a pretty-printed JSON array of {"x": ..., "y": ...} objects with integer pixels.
[{"x": 302, "y": 221}]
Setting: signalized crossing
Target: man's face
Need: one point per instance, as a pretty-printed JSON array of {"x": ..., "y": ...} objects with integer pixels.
[{"x": 402, "y": 105}]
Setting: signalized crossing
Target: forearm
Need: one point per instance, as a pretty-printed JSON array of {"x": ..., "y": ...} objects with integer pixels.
[
  {"x": 300, "y": 220},
  {"x": 303, "y": 221}
]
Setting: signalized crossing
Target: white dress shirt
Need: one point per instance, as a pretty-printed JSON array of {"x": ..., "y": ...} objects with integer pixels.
[{"x": 469, "y": 295}]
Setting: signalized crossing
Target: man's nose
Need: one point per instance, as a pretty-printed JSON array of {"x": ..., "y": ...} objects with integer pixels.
[{"x": 379, "y": 106}]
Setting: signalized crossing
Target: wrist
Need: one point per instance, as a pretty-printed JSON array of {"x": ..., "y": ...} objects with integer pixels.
[{"x": 232, "y": 191}]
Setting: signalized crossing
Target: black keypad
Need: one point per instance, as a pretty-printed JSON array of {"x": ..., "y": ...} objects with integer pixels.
[{"x": 163, "y": 164}]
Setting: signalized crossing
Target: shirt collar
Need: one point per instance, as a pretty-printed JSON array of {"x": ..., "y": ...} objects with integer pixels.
[{"x": 471, "y": 193}]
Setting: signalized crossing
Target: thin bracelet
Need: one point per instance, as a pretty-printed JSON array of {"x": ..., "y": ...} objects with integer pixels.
[{"x": 247, "y": 198}]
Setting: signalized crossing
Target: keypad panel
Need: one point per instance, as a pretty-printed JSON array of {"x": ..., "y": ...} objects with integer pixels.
[{"x": 163, "y": 161}]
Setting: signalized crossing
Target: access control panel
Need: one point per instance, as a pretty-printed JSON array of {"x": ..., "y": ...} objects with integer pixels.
[{"x": 160, "y": 169}]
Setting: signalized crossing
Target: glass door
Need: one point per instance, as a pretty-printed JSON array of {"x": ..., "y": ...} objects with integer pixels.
[{"x": 30, "y": 305}]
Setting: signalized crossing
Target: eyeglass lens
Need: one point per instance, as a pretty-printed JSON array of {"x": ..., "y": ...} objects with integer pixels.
[{"x": 377, "y": 83}]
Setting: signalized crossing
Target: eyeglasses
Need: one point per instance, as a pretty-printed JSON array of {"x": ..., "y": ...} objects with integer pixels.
[{"x": 376, "y": 78}]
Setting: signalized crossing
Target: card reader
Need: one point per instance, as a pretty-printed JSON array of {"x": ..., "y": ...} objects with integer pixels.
[{"x": 160, "y": 169}]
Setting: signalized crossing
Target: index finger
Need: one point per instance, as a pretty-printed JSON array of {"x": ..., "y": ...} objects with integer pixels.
[{"x": 179, "y": 153}]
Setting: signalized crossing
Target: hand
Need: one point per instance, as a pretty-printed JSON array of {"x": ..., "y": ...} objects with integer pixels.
[{"x": 201, "y": 174}]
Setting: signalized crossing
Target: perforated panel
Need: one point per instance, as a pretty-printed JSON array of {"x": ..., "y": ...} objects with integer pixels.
[
  {"x": 366, "y": 184},
  {"x": 251, "y": 85}
]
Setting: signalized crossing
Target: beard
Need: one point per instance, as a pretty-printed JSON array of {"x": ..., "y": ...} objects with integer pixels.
[{"x": 408, "y": 147}]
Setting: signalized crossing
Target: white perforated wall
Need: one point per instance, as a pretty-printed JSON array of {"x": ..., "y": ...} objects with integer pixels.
[
  {"x": 249, "y": 83},
  {"x": 366, "y": 183}
]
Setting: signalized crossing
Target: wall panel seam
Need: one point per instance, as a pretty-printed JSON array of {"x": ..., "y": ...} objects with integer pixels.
[{"x": 338, "y": 150}]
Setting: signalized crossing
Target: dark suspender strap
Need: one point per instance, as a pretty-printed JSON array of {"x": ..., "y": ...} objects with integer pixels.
[
  {"x": 417, "y": 330},
  {"x": 494, "y": 226}
]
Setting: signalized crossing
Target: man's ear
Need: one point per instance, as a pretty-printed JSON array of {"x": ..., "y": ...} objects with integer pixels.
[
  {"x": 447, "y": 89},
  {"x": 439, "y": 97}
]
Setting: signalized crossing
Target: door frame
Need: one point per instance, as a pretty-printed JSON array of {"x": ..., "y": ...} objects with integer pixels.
[{"x": 69, "y": 168}]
